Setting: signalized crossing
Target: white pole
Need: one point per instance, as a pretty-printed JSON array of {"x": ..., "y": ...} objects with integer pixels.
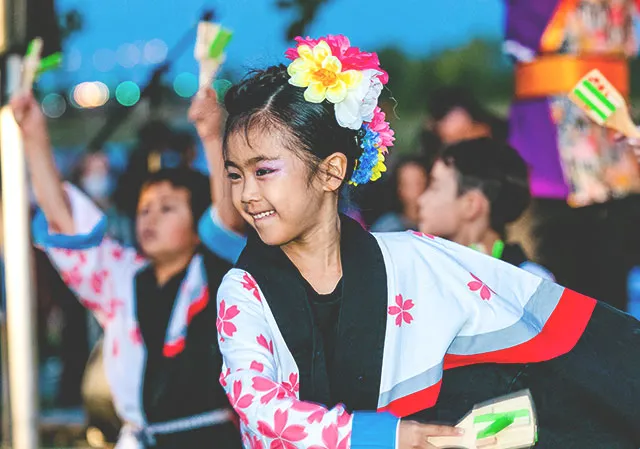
[{"x": 23, "y": 369}]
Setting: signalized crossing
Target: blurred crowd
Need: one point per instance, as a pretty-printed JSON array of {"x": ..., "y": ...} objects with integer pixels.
[{"x": 444, "y": 187}]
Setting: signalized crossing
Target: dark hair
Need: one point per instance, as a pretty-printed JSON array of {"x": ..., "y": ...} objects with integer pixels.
[
  {"x": 446, "y": 99},
  {"x": 193, "y": 181},
  {"x": 498, "y": 171},
  {"x": 267, "y": 102}
]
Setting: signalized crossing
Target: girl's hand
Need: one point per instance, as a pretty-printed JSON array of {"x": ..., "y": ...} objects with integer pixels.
[
  {"x": 413, "y": 435},
  {"x": 31, "y": 121},
  {"x": 206, "y": 114}
]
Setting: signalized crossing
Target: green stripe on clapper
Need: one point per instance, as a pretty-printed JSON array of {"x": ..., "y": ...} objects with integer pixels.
[
  {"x": 50, "y": 62},
  {"x": 599, "y": 95},
  {"x": 500, "y": 421},
  {"x": 497, "y": 426},
  {"x": 30, "y": 47},
  {"x": 490, "y": 417},
  {"x": 219, "y": 43},
  {"x": 590, "y": 104}
]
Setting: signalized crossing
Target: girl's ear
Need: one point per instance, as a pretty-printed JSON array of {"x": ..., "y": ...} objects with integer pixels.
[{"x": 333, "y": 171}]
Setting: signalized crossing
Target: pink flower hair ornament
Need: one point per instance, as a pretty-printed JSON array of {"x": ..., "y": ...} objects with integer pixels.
[{"x": 330, "y": 69}]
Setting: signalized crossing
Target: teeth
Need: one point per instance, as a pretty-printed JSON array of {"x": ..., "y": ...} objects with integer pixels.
[{"x": 264, "y": 214}]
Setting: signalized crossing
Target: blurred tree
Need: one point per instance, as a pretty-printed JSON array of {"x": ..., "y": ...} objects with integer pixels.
[
  {"x": 305, "y": 12},
  {"x": 70, "y": 22}
]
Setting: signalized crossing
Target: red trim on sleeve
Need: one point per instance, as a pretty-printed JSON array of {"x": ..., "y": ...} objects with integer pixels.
[
  {"x": 559, "y": 335},
  {"x": 415, "y": 402}
]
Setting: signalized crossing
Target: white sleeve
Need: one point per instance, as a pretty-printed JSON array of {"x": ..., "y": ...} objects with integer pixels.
[
  {"x": 87, "y": 261},
  {"x": 270, "y": 412}
]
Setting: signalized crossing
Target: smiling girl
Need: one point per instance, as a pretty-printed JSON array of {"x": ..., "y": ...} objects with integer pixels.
[{"x": 330, "y": 335}]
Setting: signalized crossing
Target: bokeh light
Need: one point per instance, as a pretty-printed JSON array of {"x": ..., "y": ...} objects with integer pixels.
[
  {"x": 127, "y": 93},
  {"x": 186, "y": 84},
  {"x": 128, "y": 55},
  {"x": 91, "y": 94},
  {"x": 53, "y": 105},
  {"x": 104, "y": 59},
  {"x": 155, "y": 51}
]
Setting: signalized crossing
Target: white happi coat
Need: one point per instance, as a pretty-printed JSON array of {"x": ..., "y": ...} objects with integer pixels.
[
  {"x": 101, "y": 273},
  {"x": 447, "y": 306}
]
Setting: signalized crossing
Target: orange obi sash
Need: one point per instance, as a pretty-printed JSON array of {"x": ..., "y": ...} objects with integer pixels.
[{"x": 550, "y": 75}]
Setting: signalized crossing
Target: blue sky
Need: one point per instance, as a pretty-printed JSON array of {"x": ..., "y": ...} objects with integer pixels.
[{"x": 418, "y": 26}]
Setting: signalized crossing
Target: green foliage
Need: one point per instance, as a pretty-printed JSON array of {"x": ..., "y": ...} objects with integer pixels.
[{"x": 305, "y": 11}]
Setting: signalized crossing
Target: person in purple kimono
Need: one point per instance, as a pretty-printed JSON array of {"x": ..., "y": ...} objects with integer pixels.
[{"x": 583, "y": 178}]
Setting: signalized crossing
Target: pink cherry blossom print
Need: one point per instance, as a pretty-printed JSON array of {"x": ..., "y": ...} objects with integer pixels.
[
  {"x": 115, "y": 349},
  {"x": 255, "y": 442},
  {"x": 65, "y": 252},
  {"x": 282, "y": 434},
  {"x": 256, "y": 366},
  {"x": 117, "y": 253},
  {"x": 331, "y": 439},
  {"x": 138, "y": 259},
  {"x": 401, "y": 310},
  {"x": 292, "y": 386},
  {"x": 239, "y": 401},
  {"x": 72, "y": 278},
  {"x": 270, "y": 389},
  {"x": 316, "y": 411},
  {"x": 223, "y": 323},
  {"x": 112, "y": 308},
  {"x": 82, "y": 258},
  {"x": 266, "y": 344},
  {"x": 478, "y": 285},
  {"x": 136, "y": 336},
  {"x": 97, "y": 281},
  {"x": 249, "y": 283},
  {"x": 223, "y": 377},
  {"x": 422, "y": 234},
  {"x": 92, "y": 306},
  {"x": 343, "y": 417}
]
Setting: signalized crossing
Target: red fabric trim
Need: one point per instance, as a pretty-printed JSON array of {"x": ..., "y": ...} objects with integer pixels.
[
  {"x": 174, "y": 348},
  {"x": 198, "y": 305},
  {"x": 415, "y": 402},
  {"x": 559, "y": 335}
]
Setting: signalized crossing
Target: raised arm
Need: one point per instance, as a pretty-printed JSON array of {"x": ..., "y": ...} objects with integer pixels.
[
  {"x": 208, "y": 117},
  {"x": 45, "y": 179},
  {"x": 69, "y": 227}
]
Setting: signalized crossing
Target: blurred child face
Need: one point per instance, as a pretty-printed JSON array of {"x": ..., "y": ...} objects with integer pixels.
[
  {"x": 271, "y": 187},
  {"x": 412, "y": 181},
  {"x": 458, "y": 125},
  {"x": 441, "y": 208},
  {"x": 164, "y": 222},
  {"x": 95, "y": 179}
]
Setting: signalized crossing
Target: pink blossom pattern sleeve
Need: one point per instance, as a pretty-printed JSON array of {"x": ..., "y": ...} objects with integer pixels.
[
  {"x": 87, "y": 261},
  {"x": 261, "y": 381}
]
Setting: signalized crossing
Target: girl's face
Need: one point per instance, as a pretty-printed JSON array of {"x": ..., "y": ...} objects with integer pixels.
[
  {"x": 272, "y": 188},
  {"x": 164, "y": 222}
]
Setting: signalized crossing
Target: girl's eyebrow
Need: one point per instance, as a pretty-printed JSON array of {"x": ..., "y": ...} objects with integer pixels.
[{"x": 253, "y": 161}]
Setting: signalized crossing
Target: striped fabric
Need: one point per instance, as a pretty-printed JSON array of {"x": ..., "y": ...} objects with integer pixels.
[{"x": 596, "y": 101}]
